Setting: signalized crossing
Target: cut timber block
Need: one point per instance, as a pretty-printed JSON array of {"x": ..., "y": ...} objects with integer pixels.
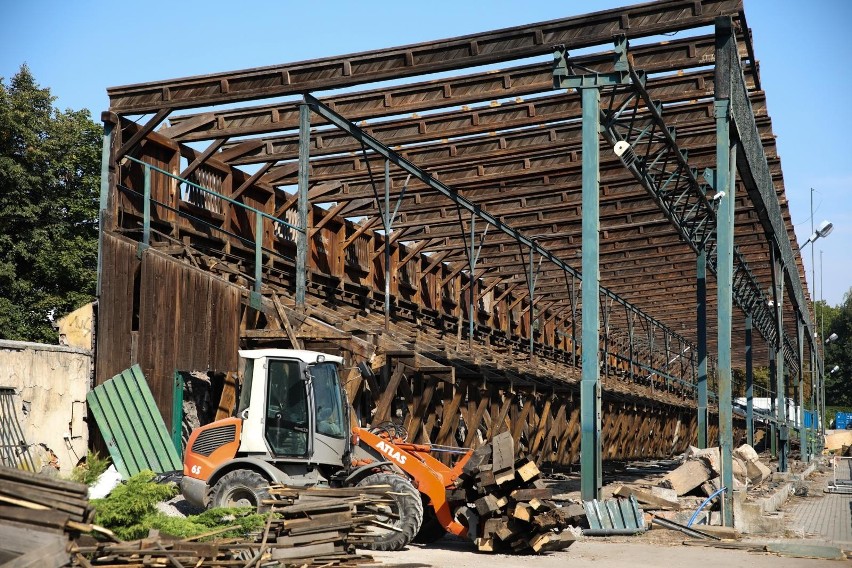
[
  {"x": 527, "y": 470},
  {"x": 484, "y": 544},
  {"x": 492, "y": 527},
  {"x": 504, "y": 477},
  {"x": 648, "y": 500},
  {"x": 552, "y": 541},
  {"x": 540, "y": 506},
  {"x": 510, "y": 529},
  {"x": 487, "y": 505},
  {"x": 523, "y": 512},
  {"x": 503, "y": 458},
  {"x": 686, "y": 477},
  {"x": 529, "y": 494}
]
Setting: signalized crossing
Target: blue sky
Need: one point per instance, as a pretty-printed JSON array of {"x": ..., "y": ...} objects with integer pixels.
[{"x": 78, "y": 49}]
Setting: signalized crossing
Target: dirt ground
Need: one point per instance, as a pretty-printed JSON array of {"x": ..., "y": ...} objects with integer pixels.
[
  {"x": 650, "y": 550},
  {"x": 654, "y": 549}
]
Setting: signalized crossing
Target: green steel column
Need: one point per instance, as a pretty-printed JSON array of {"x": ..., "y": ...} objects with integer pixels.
[
  {"x": 258, "y": 256},
  {"x": 302, "y": 237},
  {"x": 146, "y": 207},
  {"x": 106, "y": 152},
  {"x": 773, "y": 380},
  {"x": 590, "y": 414},
  {"x": 724, "y": 293},
  {"x": 701, "y": 301},
  {"x": 780, "y": 386},
  {"x": 800, "y": 383},
  {"x": 749, "y": 377}
]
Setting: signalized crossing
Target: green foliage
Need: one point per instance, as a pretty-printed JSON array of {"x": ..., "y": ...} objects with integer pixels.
[
  {"x": 49, "y": 187},
  {"x": 130, "y": 511},
  {"x": 126, "y": 507},
  {"x": 89, "y": 471},
  {"x": 838, "y": 385},
  {"x": 760, "y": 381},
  {"x": 244, "y": 519}
]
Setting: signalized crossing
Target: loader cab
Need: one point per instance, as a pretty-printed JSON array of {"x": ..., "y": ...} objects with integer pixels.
[{"x": 292, "y": 407}]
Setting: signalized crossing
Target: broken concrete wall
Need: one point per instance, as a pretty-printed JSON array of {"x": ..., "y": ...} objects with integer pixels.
[{"x": 50, "y": 382}]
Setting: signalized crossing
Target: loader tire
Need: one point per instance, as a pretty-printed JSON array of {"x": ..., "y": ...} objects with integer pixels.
[
  {"x": 240, "y": 488},
  {"x": 406, "y": 514}
]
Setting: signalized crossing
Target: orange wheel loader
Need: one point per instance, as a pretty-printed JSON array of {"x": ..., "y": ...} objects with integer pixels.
[{"x": 293, "y": 427}]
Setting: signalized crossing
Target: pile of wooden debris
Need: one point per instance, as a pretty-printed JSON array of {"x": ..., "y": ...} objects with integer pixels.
[
  {"x": 508, "y": 508},
  {"x": 47, "y": 522}
]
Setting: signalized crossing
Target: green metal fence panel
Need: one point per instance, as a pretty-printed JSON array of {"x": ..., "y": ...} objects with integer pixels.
[{"x": 132, "y": 426}]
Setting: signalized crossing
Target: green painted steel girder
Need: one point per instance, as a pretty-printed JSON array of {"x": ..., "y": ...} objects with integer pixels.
[
  {"x": 724, "y": 293},
  {"x": 590, "y": 386}
]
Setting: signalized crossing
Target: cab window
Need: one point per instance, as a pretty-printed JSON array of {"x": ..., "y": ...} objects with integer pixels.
[
  {"x": 286, "y": 409},
  {"x": 328, "y": 396}
]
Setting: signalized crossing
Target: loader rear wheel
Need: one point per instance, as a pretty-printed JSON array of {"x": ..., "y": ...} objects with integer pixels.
[
  {"x": 240, "y": 488},
  {"x": 405, "y": 514}
]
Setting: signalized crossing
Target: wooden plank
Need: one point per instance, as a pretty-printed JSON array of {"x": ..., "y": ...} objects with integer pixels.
[
  {"x": 305, "y": 551},
  {"x": 384, "y": 405},
  {"x": 228, "y": 400},
  {"x": 285, "y": 323}
]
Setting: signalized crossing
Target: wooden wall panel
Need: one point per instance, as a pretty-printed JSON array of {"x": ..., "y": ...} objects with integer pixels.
[{"x": 115, "y": 308}]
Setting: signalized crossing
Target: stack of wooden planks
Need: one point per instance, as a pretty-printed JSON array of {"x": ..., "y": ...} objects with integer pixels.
[
  {"x": 305, "y": 528},
  {"x": 324, "y": 525},
  {"x": 508, "y": 507},
  {"x": 39, "y": 514}
]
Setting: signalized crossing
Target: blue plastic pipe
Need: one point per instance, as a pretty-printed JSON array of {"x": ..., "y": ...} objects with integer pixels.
[{"x": 704, "y": 504}]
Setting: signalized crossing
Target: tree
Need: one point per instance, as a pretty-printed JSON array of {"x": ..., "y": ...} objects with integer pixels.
[
  {"x": 49, "y": 180},
  {"x": 838, "y": 386}
]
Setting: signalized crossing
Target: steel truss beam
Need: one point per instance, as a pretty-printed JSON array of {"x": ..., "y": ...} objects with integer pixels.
[
  {"x": 417, "y": 173},
  {"x": 650, "y": 152}
]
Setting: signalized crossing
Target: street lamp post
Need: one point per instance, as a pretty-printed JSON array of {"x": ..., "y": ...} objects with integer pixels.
[{"x": 822, "y": 231}]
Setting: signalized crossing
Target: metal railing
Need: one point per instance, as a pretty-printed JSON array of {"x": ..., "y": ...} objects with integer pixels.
[{"x": 259, "y": 215}]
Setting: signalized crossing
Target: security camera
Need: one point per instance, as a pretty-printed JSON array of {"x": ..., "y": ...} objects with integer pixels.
[{"x": 719, "y": 195}]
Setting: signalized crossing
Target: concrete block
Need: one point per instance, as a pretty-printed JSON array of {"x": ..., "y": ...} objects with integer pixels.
[{"x": 664, "y": 492}]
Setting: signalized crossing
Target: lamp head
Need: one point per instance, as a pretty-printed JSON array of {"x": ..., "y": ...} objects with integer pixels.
[
  {"x": 825, "y": 228},
  {"x": 831, "y": 338}
]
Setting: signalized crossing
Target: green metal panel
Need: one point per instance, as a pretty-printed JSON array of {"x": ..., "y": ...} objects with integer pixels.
[{"x": 131, "y": 425}]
